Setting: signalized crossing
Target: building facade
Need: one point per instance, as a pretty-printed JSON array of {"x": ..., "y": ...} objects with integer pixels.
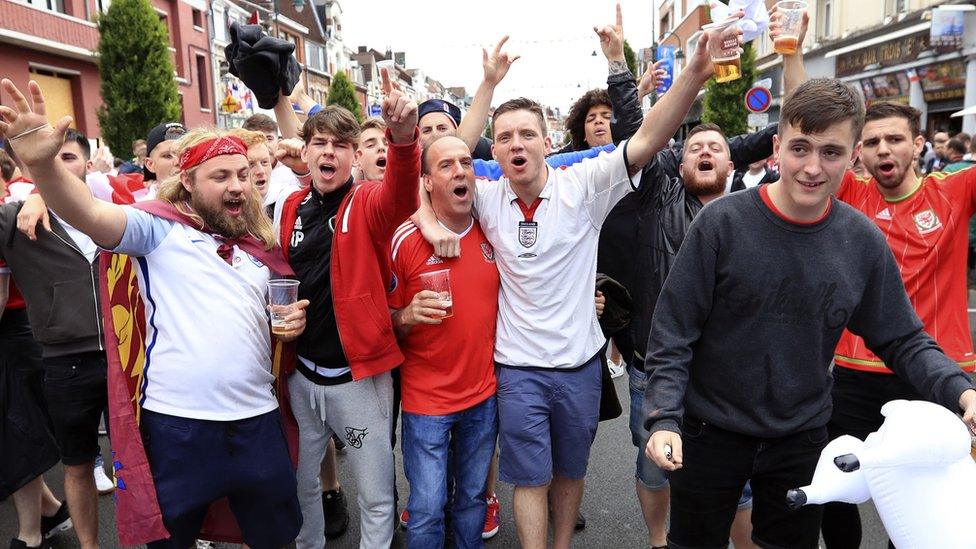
[{"x": 53, "y": 42}]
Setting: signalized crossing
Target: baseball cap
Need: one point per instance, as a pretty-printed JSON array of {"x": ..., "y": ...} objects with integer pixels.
[
  {"x": 166, "y": 131},
  {"x": 439, "y": 105}
]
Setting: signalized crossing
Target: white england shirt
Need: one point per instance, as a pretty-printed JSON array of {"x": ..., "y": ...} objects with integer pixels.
[
  {"x": 208, "y": 346},
  {"x": 546, "y": 307}
]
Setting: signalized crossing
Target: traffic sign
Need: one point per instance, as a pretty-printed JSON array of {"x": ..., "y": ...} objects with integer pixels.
[
  {"x": 758, "y": 99},
  {"x": 757, "y": 120},
  {"x": 375, "y": 110},
  {"x": 764, "y": 83}
]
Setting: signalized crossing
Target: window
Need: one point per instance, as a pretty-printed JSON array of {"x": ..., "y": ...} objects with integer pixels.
[
  {"x": 53, "y": 5},
  {"x": 825, "y": 29},
  {"x": 895, "y": 7},
  {"x": 103, "y": 5},
  {"x": 315, "y": 56},
  {"x": 203, "y": 75},
  {"x": 220, "y": 26},
  {"x": 197, "y": 19}
]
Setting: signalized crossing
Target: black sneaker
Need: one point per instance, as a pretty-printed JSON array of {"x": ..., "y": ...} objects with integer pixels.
[
  {"x": 336, "y": 516},
  {"x": 56, "y": 524},
  {"x": 580, "y": 522},
  {"x": 18, "y": 543}
]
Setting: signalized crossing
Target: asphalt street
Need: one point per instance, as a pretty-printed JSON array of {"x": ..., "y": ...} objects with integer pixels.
[{"x": 609, "y": 503}]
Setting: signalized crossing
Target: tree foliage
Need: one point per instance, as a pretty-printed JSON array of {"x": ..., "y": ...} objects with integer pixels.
[
  {"x": 631, "y": 59},
  {"x": 724, "y": 104},
  {"x": 136, "y": 66},
  {"x": 343, "y": 93}
]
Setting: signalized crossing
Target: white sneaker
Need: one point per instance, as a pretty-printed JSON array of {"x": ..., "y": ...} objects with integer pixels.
[
  {"x": 103, "y": 483},
  {"x": 617, "y": 369},
  {"x": 204, "y": 544}
]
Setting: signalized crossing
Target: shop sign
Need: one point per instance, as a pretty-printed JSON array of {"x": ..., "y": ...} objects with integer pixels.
[
  {"x": 943, "y": 81},
  {"x": 894, "y": 52}
]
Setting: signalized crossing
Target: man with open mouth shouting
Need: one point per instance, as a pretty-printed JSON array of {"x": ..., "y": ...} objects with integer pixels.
[
  {"x": 205, "y": 253},
  {"x": 336, "y": 235}
]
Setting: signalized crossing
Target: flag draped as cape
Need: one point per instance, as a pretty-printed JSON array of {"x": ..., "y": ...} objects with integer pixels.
[{"x": 138, "y": 517}]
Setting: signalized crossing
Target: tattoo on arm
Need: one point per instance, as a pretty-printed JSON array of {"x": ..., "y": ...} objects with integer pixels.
[{"x": 617, "y": 67}]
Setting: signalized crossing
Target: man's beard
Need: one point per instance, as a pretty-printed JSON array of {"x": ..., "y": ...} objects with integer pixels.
[
  {"x": 710, "y": 188},
  {"x": 218, "y": 221}
]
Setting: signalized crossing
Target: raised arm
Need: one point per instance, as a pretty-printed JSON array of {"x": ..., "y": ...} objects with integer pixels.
[
  {"x": 288, "y": 123},
  {"x": 496, "y": 66},
  {"x": 37, "y": 144},
  {"x": 621, "y": 86},
  {"x": 666, "y": 116},
  {"x": 794, "y": 73},
  {"x": 397, "y": 198}
]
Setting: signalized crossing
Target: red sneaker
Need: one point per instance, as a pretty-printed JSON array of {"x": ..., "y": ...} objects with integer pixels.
[{"x": 492, "y": 518}]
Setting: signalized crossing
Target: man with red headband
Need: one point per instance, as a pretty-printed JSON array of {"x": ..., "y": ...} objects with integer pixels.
[{"x": 204, "y": 253}]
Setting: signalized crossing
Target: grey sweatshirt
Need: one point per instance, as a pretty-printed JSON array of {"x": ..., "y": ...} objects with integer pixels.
[{"x": 747, "y": 322}]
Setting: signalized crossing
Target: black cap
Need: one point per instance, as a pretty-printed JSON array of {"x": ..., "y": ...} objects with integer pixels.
[
  {"x": 439, "y": 105},
  {"x": 166, "y": 131}
]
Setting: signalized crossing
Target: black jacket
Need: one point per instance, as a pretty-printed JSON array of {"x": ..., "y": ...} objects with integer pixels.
[
  {"x": 739, "y": 185},
  {"x": 58, "y": 284},
  {"x": 643, "y": 232}
]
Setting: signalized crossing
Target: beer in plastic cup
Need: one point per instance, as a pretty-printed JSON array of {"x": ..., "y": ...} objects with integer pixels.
[
  {"x": 973, "y": 451},
  {"x": 788, "y": 40},
  {"x": 440, "y": 282},
  {"x": 282, "y": 292},
  {"x": 723, "y": 48}
]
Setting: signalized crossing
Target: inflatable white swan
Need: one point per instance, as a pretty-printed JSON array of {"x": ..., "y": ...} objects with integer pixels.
[{"x": 918, "y": 470}]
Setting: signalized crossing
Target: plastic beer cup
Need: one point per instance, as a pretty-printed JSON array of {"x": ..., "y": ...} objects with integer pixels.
[
  {"x": 440, "y": 282},
  {"x": 723, "y": 49},
  {"x": 282, "y": 292},
  {"x": 788, "y": 40}
]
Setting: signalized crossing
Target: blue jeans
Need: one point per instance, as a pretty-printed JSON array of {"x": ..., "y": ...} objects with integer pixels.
[
  {"x": 650, "y": 475},
  {"x": 426, "y": 440}
]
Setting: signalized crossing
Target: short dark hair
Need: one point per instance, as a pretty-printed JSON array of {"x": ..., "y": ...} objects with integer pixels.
[
  {"x": 708, "y": 127},
  {"x": 885, "y": 109},
  {"x": 334, "y": 120},
  {"x": 576, "y": 119},
  {"x": 261, "y": 123},
  {"x": 74, "y": 135},
  {"x": 7, "y": 166},
  {"x": 963, "y": 136},
  {"x": 957, "y": 146},
  {"x": 820, "y": 103},
  {"x": 520, "y": 104}
]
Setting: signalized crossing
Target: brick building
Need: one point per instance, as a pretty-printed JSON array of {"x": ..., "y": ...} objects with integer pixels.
[{"x": 53, "y": 43}]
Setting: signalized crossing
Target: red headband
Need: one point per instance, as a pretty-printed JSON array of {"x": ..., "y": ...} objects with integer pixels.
[{"x": 201, "y": 152}]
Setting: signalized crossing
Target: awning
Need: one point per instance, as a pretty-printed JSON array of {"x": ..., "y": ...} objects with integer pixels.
[
  {"x": 965, "y": 112},
  {"x": 880, "y": 39}
]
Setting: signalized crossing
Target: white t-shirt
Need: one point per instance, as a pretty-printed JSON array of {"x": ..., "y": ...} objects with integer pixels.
[
  {"x": 208, "y": 346},
  {"x": 750, "y": 180},
  {"x": 546, "y": 308}
]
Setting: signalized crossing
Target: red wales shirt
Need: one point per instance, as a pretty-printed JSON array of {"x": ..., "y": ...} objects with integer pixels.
[
  {"x": 447, "y": 367},
  {"x": 928, "y": 231}
]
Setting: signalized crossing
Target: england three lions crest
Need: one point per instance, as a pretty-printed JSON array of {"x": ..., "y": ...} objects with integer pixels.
[{"x": 528, "y": 233}]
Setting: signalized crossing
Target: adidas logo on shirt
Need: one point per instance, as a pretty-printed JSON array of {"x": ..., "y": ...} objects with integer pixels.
[
  {"x": 884, "y": 214},
  {"x": 434, "y": 260}
]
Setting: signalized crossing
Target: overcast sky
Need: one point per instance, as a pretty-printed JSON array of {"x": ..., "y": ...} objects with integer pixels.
[{"x": 444, "y": 38}]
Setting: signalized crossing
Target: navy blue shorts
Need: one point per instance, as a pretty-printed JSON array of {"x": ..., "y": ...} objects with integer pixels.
[
  {"x": 547, "y": 421},
  {"x": 196, "y": 462}
]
